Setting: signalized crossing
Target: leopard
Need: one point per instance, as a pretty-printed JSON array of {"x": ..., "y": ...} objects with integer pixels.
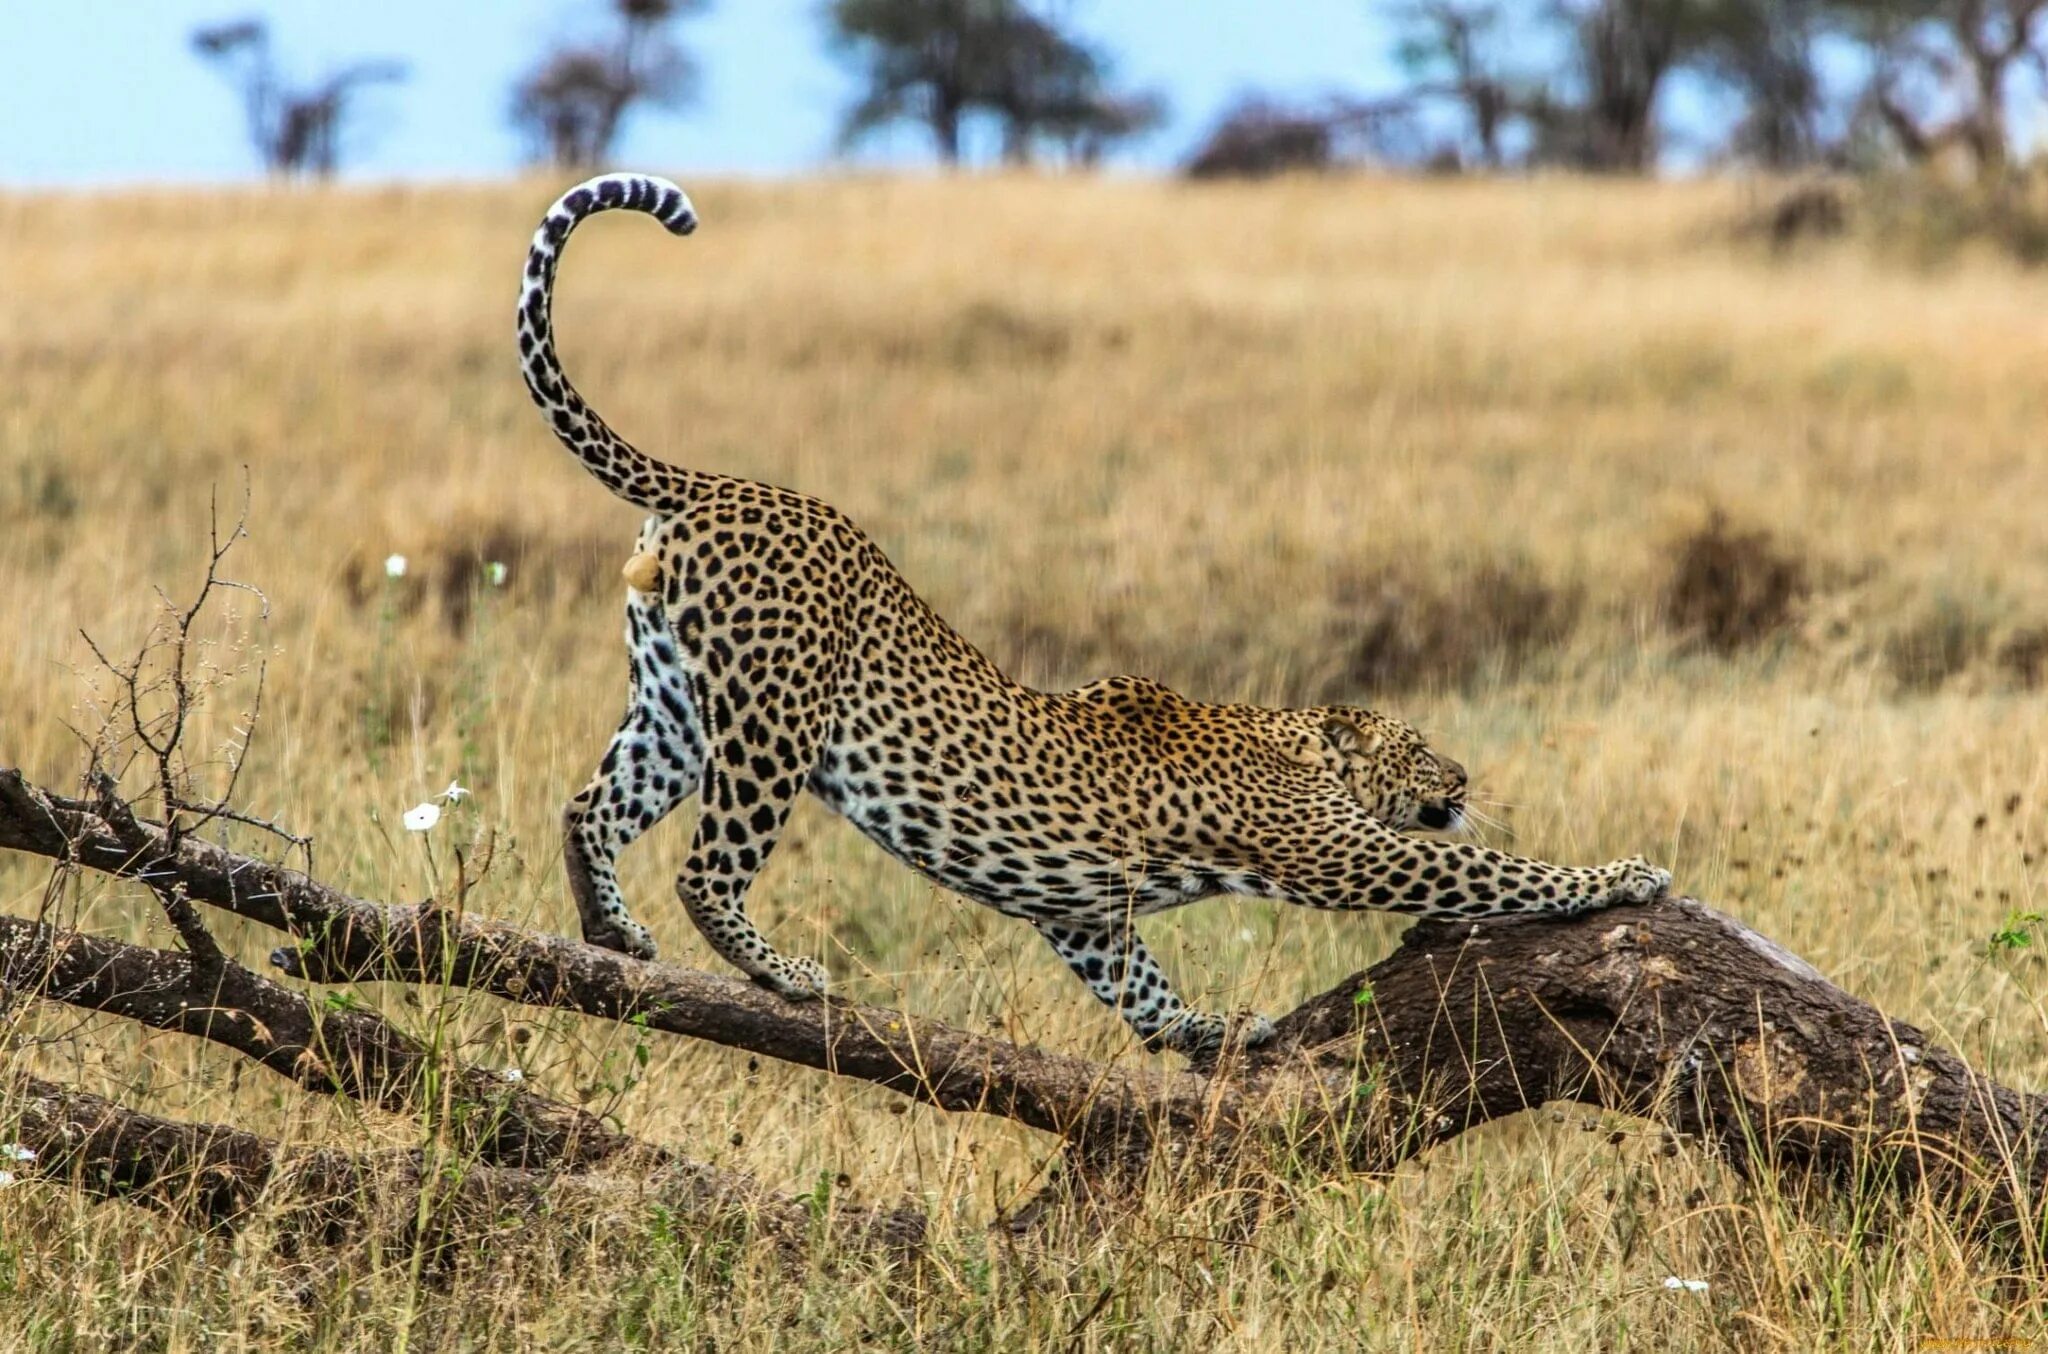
[{"x": 773, "y": 651}]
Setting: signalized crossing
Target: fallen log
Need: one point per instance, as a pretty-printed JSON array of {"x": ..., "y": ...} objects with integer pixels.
[
  {"x": 1669, "y": 1011},
  {"x": 355, "y": 1054},
  {"x": 1673, "y": 1012},
  {"x": 216, "y": 1178}
]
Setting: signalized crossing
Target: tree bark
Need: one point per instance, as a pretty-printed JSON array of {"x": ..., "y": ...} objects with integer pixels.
[
  {"x": 215, "y": 1177},
  {"x": 1669, "y": 1011},
  {"x": 1676, "y": 1013},
  {"x": 351, "y": 1053},
  {"x": 204, "y": 1175}
]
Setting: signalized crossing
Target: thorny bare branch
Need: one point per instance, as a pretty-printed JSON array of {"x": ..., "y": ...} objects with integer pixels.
[{"x": 161, "y": 674}]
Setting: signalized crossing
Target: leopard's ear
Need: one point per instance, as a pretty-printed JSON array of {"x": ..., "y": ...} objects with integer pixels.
[
  {"x": 1332, "y": 734},
  {"x": 1349, "y": 738}
]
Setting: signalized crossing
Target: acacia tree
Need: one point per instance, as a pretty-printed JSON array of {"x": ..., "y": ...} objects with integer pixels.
[
  {"x": 295, "y": 131},
  {"x": 573, "y": 102},
  {"x": 1948, "y": 72},
  {"x": 1593, "y": 108},
  {"x": 940, "y": 62},
  {"x": 1092, "y": 129},
  {"x": 1452, "y": 53},
  {"x": 1765, "y": 51},
  {"x": 1608, "y": 63},
  {"x": 1623, "y": 51},
  {"x": 1050, "y": 86}
]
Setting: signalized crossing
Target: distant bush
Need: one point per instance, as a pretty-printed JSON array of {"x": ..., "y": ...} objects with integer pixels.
[
  {"x": 1811, "y": 211},
  {"x": 2023, "y": 657},
  {"x": 1920, "y": 215},
  {"x": 452, "y": 571},
  {"x": 1394, "y": 630},
  {"x": 1258, "y": 139},
  {"x": 1936, "y": 644},
  {"x": 1931, "y": 219},
  {"x": 1731, "y": 589}
]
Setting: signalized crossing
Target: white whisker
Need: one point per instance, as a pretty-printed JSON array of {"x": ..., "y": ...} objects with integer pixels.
[{"x": 1476, "y": 819}]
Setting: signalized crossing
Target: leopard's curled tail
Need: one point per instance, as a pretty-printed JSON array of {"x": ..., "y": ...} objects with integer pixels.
[{"x": 618, "y": 465}]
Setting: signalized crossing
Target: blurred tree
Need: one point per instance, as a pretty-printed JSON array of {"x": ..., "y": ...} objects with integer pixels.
[
  {"x": 1622, "y": 53},
  {"x": 1608, "y": 62},
  {"x": 1050, "y": 86},
  {"x": 938, "y": 62},
  {"x": 1766, "y": 51},
  {"x": 574, "y": 100},
  {"x": 1104, "y": 122},
  {"x": 1451, "y": 51},
  {"x": 1948, "y": 73},
  {"x": 294, "y": 131}
]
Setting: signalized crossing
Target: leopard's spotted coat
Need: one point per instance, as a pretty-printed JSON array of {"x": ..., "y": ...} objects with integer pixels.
[{"x": 775, "y": 650}]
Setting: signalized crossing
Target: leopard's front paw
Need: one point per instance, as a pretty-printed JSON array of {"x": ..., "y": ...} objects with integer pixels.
[
  {"x": 622, "y": 934},
  {"x": 1634, "y": 880},
  {"x": 797, "y": 979}
]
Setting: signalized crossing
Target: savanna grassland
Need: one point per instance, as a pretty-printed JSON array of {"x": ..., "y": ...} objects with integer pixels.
[{"x": 1731, "y": 558}]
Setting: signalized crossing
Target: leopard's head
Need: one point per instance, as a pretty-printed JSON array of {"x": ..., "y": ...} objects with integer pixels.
[{"x": 1392, "y": 770}]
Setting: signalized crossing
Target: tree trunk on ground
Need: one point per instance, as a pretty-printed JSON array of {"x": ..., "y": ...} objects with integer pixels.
[
  {"x": 1676, "y": 1013},
  {"x": 213, "y": 1177},
  {"x": 351, "y": 1053},
  {"x": 1669, "y": 1011}
]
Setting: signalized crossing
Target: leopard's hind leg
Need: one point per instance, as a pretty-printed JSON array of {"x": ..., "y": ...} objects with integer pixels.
[
  {"x": 764, "y": 725},
  {"x": 655, "y": 762}
]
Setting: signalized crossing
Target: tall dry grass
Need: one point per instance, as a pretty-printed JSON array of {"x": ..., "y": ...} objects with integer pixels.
[{"x": 1455, "y": 449}]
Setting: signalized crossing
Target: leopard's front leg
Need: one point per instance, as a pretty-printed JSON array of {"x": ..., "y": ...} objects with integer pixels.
[
  {"x": 1121, "y": 972},
  {"x": 1533, "y": 886},
  {"x": 1458, "y": 879}
]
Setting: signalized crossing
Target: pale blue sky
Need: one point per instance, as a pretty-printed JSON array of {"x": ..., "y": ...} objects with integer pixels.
[{"x": 108, "y": 91}]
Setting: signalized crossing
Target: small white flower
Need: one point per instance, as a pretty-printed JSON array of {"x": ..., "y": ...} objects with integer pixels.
[
  {"x": 6, "y": 1179},
  {"x": 1674, "y": 1283},
  {"x": 14, "y": 1151},
  {"x": 454, "y": 794},
  {"x": 394, "y": 566},
  {"x": 420, "y": 817},
  {"x": 513, "y": 1075},
  {"x": 495, "y": 573}
]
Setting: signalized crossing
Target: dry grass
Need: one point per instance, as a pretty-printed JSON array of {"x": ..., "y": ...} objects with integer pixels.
[{"x": 1438, "y": 446}]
